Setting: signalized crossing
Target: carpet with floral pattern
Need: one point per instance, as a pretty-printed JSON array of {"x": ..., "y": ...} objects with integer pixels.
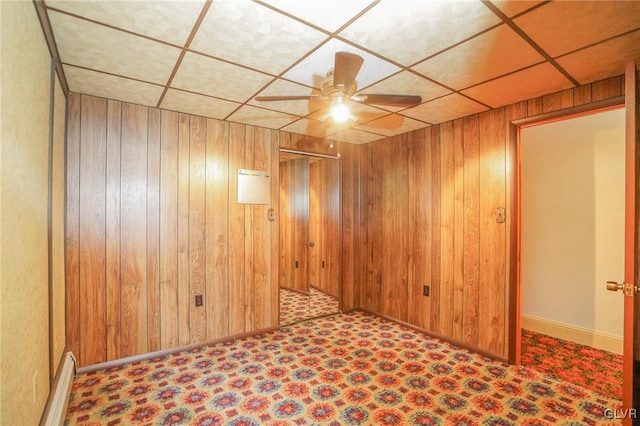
[
  {"x": 591, "y": 368},
  {"x": 346, "y": 369}
]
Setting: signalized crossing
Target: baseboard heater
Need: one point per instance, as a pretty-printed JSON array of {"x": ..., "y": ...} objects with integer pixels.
[{"x": 56, "y": 408}]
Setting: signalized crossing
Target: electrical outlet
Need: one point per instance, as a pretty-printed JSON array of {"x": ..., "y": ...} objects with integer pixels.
[
  {"x": 199, "y": 300},
  {"x": 425, "y": 290}
]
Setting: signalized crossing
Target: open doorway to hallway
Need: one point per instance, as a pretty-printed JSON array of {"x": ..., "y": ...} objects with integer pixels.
[{"x": 572, "y": 242}]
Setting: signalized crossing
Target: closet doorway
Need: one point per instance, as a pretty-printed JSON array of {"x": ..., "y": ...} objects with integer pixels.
[
  {"x": 572, "y": 242},
  {"x": 310, "y": 259}
]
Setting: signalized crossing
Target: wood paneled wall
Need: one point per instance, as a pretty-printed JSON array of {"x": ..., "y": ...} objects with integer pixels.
[
  {"x": 428, "y": 217},
  {"x": 153, "y": 220}
]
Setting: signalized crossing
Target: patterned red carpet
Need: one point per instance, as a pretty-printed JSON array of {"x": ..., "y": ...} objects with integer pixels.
[
  {"x": 348, "y": 369},
  {"x": 594, "y": 369}
]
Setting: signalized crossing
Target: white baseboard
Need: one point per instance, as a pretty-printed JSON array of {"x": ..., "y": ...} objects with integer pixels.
[
  {"x": 56, "y": 409},
  {"x": 580, "y": 335}
]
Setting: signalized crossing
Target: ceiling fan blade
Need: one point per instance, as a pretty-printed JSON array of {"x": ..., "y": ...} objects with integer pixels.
[
  {"x": 390, "y": 100},
  {"x": 346, "y": 69},
  {"x": 284, "y": 98}
]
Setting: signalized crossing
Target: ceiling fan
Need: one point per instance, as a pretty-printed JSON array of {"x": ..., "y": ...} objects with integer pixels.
[{"x": 339, "y": 86}]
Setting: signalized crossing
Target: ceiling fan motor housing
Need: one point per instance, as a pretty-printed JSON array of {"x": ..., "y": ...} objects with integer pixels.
[{"x": 330, "y": 91}]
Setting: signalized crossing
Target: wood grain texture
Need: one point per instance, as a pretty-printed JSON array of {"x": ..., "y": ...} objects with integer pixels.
[
  {"x": 134, "y": 290},
  {"x": 168, "y": 209},
  {"x": 92, "y": 233},
  {"x": 150, "y": 209},
  {"x": 350, "y": 229},
  {"x": 72, "y": 224},
  {"x": 114, "y": 124}
]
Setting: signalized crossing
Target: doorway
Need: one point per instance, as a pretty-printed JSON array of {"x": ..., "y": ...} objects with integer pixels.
[
  {"x": 572, "y": 242},
  {"x": 310, "y": 261}
]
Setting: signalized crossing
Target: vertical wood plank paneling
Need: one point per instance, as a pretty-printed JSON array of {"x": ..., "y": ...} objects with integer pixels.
[
  {"x": 492, "y": 234},
  {"x": 390, "y": 238},
  {"x": 471, "y": 253},
  {"x": 581, "y": 95},
  {"x": 285, "y": 270},
  {"x": 558, "y": 100},
  {"x": 197, "y": 217},
  {"x": 133, "y": 238},
  {"x": 92, "y": 228},
  {"x": 332, "y": 240},
  {"x": 609, "y": 88},
  {"x": 249, "y": 242},
  {"x": 458, "y": 229},
  {"x": 401, "y": 279},
  {"x": 72, "y": 225},
  {"x": 153, "y": 228},
  {"x": 183, "y": 261},
  {"x": 300, "y": 226},
  {"x": 374, "y": 222},
  {"x": 217, "y": 232},
  {"x": 114, "y": 126},
  {"x": 169, "y": 336},
  {"x": 436, "y": 234},
  {"x": 261, "y": 236},
  {"x": 420, "y": 190},
  {"x": 350, "y": 219},
  {"x": 237, "y": 301},
  {"x": 447, "y": 223}
]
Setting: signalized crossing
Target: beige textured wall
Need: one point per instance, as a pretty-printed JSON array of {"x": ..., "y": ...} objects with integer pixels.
[
  {"x": 24, "y": 338},
  {"x": 57, "y": 223}
]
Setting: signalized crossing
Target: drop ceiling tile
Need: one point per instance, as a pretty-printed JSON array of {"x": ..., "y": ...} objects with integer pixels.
[
  {"x": 526, "y": 84},
  {"x": 95, "y": 83},
  {"x": 560, "y": 27},
  {"x": 393, "y": 124},
  {"x": 253, "y": 35},
  {"x": 444, "y": 109},
  {"x": 327, "y": 14},
  {"x": 97, "y": 47},
  {"x": 409, "y": 31},
  {"x": 201, "y": 74},
  {"x": 310, "y": 127},
  {"x": 191, "y": 103},
  {"x": 407, "y": 83},
  {"x": 313, "y": 69},
  {"x": 602, "y": 60},
  {"x": 298, "y": 107},
  {"x": 169, "y": 21},
  {"x": 514, "y": 7},
  {"x": 354, "y": 136},
  {"x": 261, "y": 117},
  {"x": 492, "y": 54}
]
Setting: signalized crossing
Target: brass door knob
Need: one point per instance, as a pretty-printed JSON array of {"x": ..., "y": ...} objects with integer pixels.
[{"x": 614, "y": 286}]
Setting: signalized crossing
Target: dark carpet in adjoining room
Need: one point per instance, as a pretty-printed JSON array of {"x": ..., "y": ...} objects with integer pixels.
[
  {"x": 590, "y": 368},
  {"x": 345, "y": 369}
]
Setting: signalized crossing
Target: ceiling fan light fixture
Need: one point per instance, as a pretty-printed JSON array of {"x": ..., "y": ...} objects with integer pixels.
[{"x": 340, "y": 113}]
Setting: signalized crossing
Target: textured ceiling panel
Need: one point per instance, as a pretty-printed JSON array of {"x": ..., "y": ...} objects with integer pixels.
[
  {"x": 177, "y": 100},
  {"x": 201, "y": 74},
  {"x": 492, "y": 54},
  {"x": 104, "y": 49},
  {"x": 467, "y": 55},
  {"x": 261, "y": 117},
  {"x": 604, "y": 59},
  {"x": 253, "y": 35},
  {"x": 409, "y": 31},
  {"x": 112, "y": 87},
  {"x": 520, "y": 86},
  {"x": 445, "y": 109},
  {"x": 329, "y": 15},
  {"x": 169, "y": 21},
  {"x": 560, "y": 27}
]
